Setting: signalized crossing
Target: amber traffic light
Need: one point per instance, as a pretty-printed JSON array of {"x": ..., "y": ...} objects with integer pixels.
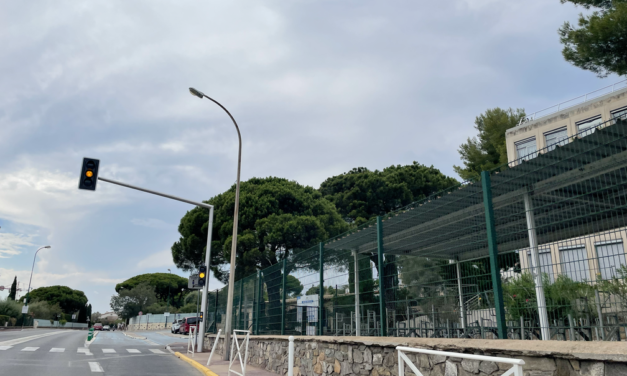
[
  {"x": 89, "y": 174},
  {"x": 202, "y": 275}
]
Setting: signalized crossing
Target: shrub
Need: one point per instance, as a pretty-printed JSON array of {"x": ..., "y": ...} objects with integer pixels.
[
  {"x": 10, "y": 308},
  {"x": 4, "y": 319}
]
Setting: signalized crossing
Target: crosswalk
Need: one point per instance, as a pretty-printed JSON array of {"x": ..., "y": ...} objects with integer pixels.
[{"x": 84, "y": 350}]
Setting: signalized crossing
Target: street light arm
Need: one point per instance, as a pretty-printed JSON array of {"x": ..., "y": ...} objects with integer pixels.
[{"x": 33, "y": 268}]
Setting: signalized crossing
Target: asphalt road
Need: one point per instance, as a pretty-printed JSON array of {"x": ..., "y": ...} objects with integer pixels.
[{"x": 41, "y": 352}]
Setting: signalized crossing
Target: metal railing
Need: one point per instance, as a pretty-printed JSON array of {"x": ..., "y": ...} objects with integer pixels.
[
  {"x": 558, "y": 107},
  {"x": 403, "y": 360}
]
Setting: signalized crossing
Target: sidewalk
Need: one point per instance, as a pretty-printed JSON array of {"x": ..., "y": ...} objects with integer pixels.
[{"x": 218, "y": 366}]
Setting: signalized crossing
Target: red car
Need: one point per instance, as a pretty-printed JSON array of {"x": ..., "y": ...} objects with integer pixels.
[
  {"x": 187, "y": 323},
  {"x": 98, "y": 326}
]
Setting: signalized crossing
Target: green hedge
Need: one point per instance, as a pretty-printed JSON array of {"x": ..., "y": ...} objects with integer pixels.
[{"x": 3, "y": 319}]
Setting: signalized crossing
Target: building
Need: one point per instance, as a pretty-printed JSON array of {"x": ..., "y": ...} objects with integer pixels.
[
  {"x": 109, "y": 316},
  {"x": 598, "y": 255}
]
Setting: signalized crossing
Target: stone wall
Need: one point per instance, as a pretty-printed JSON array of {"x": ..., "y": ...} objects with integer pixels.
[
  {"x": 150, "y": 326},
  {"x": 366, "y": 356}
]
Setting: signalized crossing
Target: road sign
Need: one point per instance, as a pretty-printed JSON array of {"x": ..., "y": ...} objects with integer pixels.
[
  {"x": 166, "y": 314},
  {"x": 73, "y": 317},
  {"x": 140, "y": 313},
  {"x": 192, "y": 282},
  {"x": 25, "y": 309}
]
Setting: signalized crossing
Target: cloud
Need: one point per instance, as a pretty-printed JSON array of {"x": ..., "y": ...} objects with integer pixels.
[
  {"x": 11, "y": 244},
  {"x": 151, "y": 223},
  {"x": 161, "y": 259}
]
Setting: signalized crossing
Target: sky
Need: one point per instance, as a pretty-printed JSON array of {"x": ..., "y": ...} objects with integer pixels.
[{"x": 317, "y": 87}]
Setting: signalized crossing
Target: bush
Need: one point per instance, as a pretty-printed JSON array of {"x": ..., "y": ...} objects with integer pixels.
[
  {"x": 188, "y": 308},
  {"x": 62, "y": 322},
  {"x": 4, "y": 319},
  {"x": 10, "y": 308}
]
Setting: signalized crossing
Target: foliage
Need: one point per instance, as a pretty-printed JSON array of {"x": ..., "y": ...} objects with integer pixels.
[
  {"x": 293, "y": 287},
  {"x": 128, "y": 303},
  {"x": 13, "y": 290},
  {"x": 599, "y": 43},
  {"x": 361, "y": 194},
  {"x": 157, "y": 308},
  {"x": 10, "y": 308},
  {"x": 4, "y": 319},
  {"x": 616, "y": 286},
  {"x": 487, "y": 150},
  {"x": 68, "y": 299},
  {"x": 62, "y": 322},
  {"x": 82, "y": 315},
  {"x": 277, "y": 217},
  {"x": 165, "y": 284},
  {"x": 40, "y": 309},
  {"x": 189, "y": 308}
]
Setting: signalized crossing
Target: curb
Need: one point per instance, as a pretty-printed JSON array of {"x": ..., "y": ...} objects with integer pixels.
[
  {"x": 206, "y": 371},
  {"x": 87, "y": 343}
]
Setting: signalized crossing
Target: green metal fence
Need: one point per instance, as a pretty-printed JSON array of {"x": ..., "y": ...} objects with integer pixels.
[{"x": 533, "y": 250}]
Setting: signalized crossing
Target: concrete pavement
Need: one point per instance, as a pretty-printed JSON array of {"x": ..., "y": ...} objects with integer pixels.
[{"x": 61, "y": 353}]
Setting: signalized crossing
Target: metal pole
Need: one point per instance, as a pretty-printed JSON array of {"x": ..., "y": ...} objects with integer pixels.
[
  {"x": 535, "y": 268},
  {"x": 27, "y": 300},
  {"x": 290, "y": 355},
  {"x": 493, "y": 249},
  {"x": 241, "y": 299},
  {"x": 382, "y": 313},
  {"x": 283, "y": 297},
  {"x": 321, "y": 293},
  {"x": 597, "y": 299},
  {"x": 357, "y": 315},
  {"x": 258, "y": 303},
  {"x": 215, "y": 310},
  {"x": 205, "y": 289},
  {"x": 229, "y": 303},
  {"x": 462, "y": 309}
]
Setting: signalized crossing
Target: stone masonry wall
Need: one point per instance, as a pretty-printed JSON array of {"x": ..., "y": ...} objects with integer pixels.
[{"x": 363, "y": 356}]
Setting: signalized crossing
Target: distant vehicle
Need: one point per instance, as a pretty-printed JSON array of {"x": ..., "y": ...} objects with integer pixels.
[
  {"x": 176, "y": 325},
  {"x": 106, "y": 327},
  {"x": 98, "y": 326},
  {"x": 187, "y": 323}
]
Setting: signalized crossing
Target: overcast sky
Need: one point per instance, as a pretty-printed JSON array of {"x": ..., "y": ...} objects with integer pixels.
[{"x": 318, "y": 88}]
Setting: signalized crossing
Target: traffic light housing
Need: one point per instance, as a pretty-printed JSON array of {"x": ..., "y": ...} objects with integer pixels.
[
  {"x": 202, "y": 276},
  {"x": 89, "y": 174}
]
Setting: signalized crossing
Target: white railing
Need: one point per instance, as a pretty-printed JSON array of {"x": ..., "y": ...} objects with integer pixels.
[
  {"x": 191, "y": 340},
  {"x": 290, "y": 357},
  {"x": 403, "y": 360},
  {"x": 213, "y": 349},
  {"x": 236, "y": 345},
  {"x": 560, "y": 106}
]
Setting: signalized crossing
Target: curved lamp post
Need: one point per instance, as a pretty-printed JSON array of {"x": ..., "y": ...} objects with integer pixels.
[
  {"x": 229, "y": 303},
  {"x": 27, "y": 300}
]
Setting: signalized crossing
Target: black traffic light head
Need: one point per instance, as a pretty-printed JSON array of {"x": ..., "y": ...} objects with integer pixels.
[
  {"x": 202, "y": 275},
  {"x": 89, "y": 174}
]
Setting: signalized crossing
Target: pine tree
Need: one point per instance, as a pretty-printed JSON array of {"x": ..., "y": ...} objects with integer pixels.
[{"x": 13, "y": 289}]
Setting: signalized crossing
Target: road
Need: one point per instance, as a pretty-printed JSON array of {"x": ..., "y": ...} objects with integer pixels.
[{"x": 41, "y": 352}]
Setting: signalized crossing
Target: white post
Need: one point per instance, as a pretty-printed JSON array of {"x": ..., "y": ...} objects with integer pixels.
[
  {"x": 462, "y": 310},
  {"x": 290, "y": 360},
  {"x": 357, "y": 307},
  {"x": 535, "y": 268},
  {"x": 213, "y": 349},
  {"x": 205, "y": 289}
]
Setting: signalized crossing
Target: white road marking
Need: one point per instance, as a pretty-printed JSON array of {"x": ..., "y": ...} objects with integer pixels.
[
  {"x": 133, "y": 351},
  {"x": 108, "y": 351},
  {"x": 57, "y": 349},
  {"x": 84, "y": 351},
  {"x": 30, "y": 348},
  {"x": 157, "y": 351},
  {"x": 17, "y": 341},
  {"x": 5, "y": 347},
  {"x": 95, "y": 367}
]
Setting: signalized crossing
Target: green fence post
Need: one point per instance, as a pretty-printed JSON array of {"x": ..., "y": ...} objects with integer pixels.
[
  {"x": 241, "y": 300},
  {"x": 258, "y": 303},
  {"x": 383, "y": 332},
  {"x": 215, "y": 311},
  {"x": 321, "y": 298},
  {"x": 494, "y": 262},
  {"x": 283, "y": 298}
]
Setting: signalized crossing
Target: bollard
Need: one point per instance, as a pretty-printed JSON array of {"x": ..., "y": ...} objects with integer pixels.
[
  {"x": 90, "y": 334},
  {"x": 290, "y": 361}
]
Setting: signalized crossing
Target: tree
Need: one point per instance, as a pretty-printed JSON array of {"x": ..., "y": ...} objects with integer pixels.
[
  {"x": 13, "y": 289},
  {"x": 163, "y": 283},
  {"x": 487, "y": 150},
  {"x": 293, "y": 287},
  {"x": 82, "y": 315},
  {"x": 40, "y": 309},
  {"x": 9, "y": 308},
  {"x": 361, "y": 194},
  {"x": 600, "y": 43},
  {"x": 68, "y": 299},
  {"x": 128, "y": 303},
  {"x": 277, "y": 217}
]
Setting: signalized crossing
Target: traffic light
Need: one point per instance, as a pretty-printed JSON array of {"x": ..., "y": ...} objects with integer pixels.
[
  {"x": 89, "y": 174},
  {"x": 202, "y": 276}
]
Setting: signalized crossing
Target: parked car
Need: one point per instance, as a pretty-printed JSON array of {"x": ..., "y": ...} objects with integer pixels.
[
  {"x": 98, "y": 326},
  {"x": 176, "y": 325},
  {"x": 106, "y": 327},
  {"x": 187, "y": 323}
]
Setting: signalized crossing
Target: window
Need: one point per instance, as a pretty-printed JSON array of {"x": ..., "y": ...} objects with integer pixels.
[
  {"x": 611, "y": 257},
  {"x": 555, "y": 138},
  {"x": 620, "y": 113},
  {"x": 574, "y": 263},
  {"x": 588, "y": 126},
  {"x": 546, "y": 265},
  {"x": 526, "y": 149}
]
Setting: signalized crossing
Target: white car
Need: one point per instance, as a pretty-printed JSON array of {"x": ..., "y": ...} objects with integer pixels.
[
  {"x": 176, "y": 325},
  {"x": 106, "y": 327}
]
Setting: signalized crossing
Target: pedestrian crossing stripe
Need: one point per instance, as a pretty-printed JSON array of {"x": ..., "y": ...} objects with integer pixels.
[
  {"x": 5, "y": 347},
  {"x": 133, "y": 351},
  {"x": 57, "y": 349},
  {"x": 157, "y": 351},
  {"x": 108, "y": 351},
  {"x": 30, "y": 348},
  {"x": 95, "y": 367}
]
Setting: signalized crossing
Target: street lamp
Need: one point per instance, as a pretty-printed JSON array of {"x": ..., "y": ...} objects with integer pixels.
[
  {"x": 229, "y": 303},
  {"x": 30, "y": 280},
  {"x": 168, "y": 309}
]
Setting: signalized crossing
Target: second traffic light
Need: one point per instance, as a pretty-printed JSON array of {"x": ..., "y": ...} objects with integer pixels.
[
  {"x": 202, "y": 275},
  {"x": 89, "y": 174}
]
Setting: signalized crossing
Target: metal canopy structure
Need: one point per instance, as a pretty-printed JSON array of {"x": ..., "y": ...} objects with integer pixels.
[{"x": 451, "y": 224}]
